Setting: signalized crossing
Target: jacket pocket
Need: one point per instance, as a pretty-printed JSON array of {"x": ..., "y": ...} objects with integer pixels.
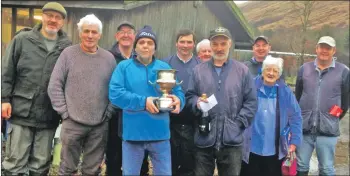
[
  {"x": 203, "y": 141},
  {"x": 307, "y": 120},
  {"x": 329, "y": 125},
  {"x": 22, "y": 102},
  {"x": 232, "y": 133}
]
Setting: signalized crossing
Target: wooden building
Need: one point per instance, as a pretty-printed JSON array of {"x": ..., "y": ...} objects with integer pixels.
[{"x": 165, "y": 17}]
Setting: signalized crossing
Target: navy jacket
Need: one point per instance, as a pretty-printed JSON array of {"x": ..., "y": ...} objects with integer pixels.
[
  {"x": 184, "y": 70},
  {"x": 317, "y": 92},
  {"x": 237, "y": 102}
]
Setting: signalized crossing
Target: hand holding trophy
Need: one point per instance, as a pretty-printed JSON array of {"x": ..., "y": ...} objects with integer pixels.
[{"x": 166, "y": 79}]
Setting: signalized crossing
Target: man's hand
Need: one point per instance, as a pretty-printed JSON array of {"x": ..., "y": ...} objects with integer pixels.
[
  {"x": 150, "y": 107},
  {"x": 176, "y": 102},
  {"x": 200, "y": 99},
  {"x": 6, "y": 110}
]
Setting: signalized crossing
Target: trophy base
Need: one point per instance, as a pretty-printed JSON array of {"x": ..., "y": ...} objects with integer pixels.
[
  {"x": 163, "y": 104},
  {"x": 165, "y": 109}
]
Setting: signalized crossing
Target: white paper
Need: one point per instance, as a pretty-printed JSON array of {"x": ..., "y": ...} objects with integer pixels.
[
  {"x": 205, "y": 107},
  {"x": 58, "y": 131}
]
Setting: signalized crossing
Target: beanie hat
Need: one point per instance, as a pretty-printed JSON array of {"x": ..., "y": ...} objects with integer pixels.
[
  {"x": 146, "y": 32},
  {"x": 55, "y": 6}
]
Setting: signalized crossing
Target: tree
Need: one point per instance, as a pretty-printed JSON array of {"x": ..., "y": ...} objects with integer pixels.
[{"x": 299, "y": 38}]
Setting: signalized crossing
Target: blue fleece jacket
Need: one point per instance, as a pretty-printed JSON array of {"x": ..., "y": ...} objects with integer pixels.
[{"x": 129, "y": 88}]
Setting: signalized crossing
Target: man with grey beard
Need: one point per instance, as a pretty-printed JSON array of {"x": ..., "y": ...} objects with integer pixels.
[
  {"x": 233, "y": 87},
  {"x": 26, "y": 70}
]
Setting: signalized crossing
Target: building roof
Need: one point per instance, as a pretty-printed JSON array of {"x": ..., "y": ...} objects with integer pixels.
[{"x": 227, "y": 12}]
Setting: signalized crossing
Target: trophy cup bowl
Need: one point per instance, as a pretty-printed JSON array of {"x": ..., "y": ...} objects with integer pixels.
[{"x": 166, "y": 79}]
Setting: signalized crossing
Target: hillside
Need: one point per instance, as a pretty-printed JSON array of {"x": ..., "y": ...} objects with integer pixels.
[{"x": 278, "y": 14}]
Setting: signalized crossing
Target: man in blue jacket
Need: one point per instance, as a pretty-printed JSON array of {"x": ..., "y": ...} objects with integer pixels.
[
  {"x": 233, "y": 86},
  {"x": 121, "y": 50},
  {"x": 181, "y": 125},
  {"x": 321, "y": 85},
  {"x": 145, "y": 129}
]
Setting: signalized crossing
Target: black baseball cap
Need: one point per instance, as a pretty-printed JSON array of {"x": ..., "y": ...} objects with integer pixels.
[
  {"x": 125, "y": 23},
  {"x": 220, "y": 31},
  {"x": 261, "y": 37}
]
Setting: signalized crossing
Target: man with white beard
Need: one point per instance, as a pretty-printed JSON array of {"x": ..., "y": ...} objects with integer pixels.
[
  {"x": 26, "y": 69},
  {"x": 233, "y": 87}
]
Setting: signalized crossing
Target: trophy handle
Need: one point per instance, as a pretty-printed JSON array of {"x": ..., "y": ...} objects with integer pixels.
[
  {"x": 179, "y": 82},
  {"x": 156, "y": 102},
  {"x": 151, "y": 82}
]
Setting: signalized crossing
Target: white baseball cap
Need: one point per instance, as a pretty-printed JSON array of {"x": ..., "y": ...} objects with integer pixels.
[{"x": 327, "y": 40}]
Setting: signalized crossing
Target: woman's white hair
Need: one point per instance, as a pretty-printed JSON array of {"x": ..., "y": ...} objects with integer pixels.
[
  {"x": 90, "y": 19},
  {"x": 277, "y": 61},
  {"x": 204, "y": 41}
]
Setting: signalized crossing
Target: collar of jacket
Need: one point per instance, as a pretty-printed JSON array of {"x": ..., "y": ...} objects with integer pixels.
[
  {"x": 36, "y": 30},
  {"x": 253, "y": 61},
  {"x": 227, "y": 62},
  {"x": 139, "y": 63},
  {"x": 116, "y": 52},
  {"x": 61, "y": 35}
]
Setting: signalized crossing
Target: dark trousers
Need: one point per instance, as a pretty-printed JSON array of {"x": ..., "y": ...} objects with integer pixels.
[
  {"x": 182, "y": 149},
  {"x": 76, "y": 138},
  {"x": 114, "y": 152},
  {"x": 262, "y": 165},
  {"x": 228, "y": 160}
]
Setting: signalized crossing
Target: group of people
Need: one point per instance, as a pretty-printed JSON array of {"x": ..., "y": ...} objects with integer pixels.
[{"x": 105, "y": 103}]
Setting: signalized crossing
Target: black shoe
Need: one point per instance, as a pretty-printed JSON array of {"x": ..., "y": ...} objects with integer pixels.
[{"x": 302, "y": 173}]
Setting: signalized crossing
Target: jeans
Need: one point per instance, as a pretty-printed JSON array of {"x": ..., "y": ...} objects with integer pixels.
[
  {"x": 228, "y": 160},
  {"x": 114, "y": 151},
  {"x": 325, "y": 150},
  {"x": 158, "y": 151}
]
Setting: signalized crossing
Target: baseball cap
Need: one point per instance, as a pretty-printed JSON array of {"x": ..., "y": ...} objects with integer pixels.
[
  {"x": 220, "y": 31},
  {"x": 327, "y": 40},
  {"x": 125, "y": 23},
  {"x": 261, "y": 37}
]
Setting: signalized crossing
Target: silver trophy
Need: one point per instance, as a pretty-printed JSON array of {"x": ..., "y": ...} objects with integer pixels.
[{"x": 166, "y": 79}]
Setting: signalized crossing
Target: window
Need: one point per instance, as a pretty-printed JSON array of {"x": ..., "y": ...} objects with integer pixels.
[
  {"x": 6, "y": 23},
  {"x": 22, "y": 18},
  {"x": 37, "y": 16}
]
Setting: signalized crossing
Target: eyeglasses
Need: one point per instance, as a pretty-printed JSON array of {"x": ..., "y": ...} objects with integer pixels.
[
  {"x": 126, "y": 32},
  {"x": 51, "y": 16}
]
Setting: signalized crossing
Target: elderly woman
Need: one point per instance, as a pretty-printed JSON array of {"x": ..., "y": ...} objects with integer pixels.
[{"x": 277, "y": 109}]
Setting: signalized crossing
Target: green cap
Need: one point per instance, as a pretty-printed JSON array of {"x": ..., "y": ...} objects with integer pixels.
[{"x": 55, "y": 6}]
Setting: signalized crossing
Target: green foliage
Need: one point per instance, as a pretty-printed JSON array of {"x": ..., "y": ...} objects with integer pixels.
[{"x": 291, "y": 80}]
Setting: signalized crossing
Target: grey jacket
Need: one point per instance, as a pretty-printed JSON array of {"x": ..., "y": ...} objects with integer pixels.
[
  {"x": 26, "y": 70},
  {"x": 235, "y": 92},
  {"x": 317, "y": 91}
]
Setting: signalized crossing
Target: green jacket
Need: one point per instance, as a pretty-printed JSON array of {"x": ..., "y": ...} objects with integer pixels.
[{"x": 26, "y": 70}]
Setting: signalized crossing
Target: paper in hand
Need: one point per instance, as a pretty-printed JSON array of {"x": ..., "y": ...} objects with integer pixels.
[{"x": 205, "y": 107}]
